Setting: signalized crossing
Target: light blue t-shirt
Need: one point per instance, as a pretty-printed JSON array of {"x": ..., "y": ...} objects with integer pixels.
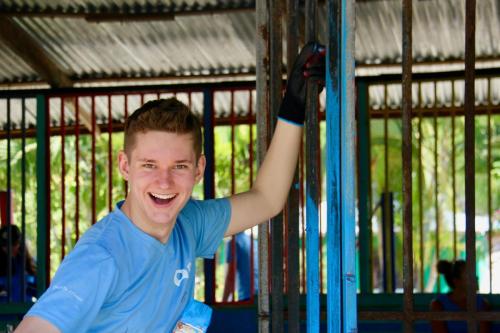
[{"x": 120, "y": 279}]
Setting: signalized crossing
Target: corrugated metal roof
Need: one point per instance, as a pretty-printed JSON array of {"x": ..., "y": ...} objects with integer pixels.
[
  {"x": 214, "y": 44},
  {"x": 183, "y": 47},
  {"x": 438, "y": 30},
  {"x": 13, "y": 68}
]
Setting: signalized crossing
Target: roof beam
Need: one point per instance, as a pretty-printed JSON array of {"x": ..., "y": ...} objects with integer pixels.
[
  {"x": 32, "y": 53},
  {"x": 125, "y": 12}
]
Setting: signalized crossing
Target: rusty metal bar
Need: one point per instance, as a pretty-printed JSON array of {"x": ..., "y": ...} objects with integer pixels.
[
  {"x": 63, "y": 182},
  {"x": 250, "y": 139},
  {"x": 292, "y": 213},
  {"x": 110, "y": 155},
  {"x": 233, "y": 181},
  {"x": 275, "y": 96},
  {"x": 250, "y": 183},
  {"x": 407, "y": 168},
  {"x": 77, "y": 169},
  {"x": 420, "y": 194},
  {"x": 262, "y": 88},
  {"x": 312, "y": 170},
  {"x": 125, "y": 116},
  {"x": 470, "y": 206},
  {"x": 93, "y": 175}
]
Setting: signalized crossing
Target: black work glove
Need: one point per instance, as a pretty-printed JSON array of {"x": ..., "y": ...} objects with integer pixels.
[{"x": 309, "y": 67}]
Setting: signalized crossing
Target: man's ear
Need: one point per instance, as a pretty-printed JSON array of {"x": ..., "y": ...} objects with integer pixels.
[
  {"x": 123, "y": 164},
  {"x": 200, "y": 168}
]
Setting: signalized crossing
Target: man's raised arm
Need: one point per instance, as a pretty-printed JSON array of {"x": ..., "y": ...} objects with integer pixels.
[{"x": 269, "y": 193}]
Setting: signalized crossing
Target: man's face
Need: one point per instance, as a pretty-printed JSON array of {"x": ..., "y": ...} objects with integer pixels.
[{"x": 161, "y": 170}]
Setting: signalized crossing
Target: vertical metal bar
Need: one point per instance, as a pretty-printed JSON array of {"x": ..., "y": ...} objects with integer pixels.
[
  {"x": 250, "y": 182},
  {"x": 110, "y": 155},
  {"x": 363, "y": 170},
  {"x": 43, "y": 192},
  {"x": 275, "y": 96},
  {"x": 262, "y": 88},
  {"x": 292, "y": 208},
  {"x": 341, "y": 256},
  {"x": 333, "y": 182},
  {"x": 302, "y": 216},
  {"x": 453, "y": 171},
  {"x": 470, "y": 206},
  {"x": 320, "y": 197},
  {"x": 250, "y": 139},
  {"x": 93, "y": 142},
  {"x": 77, "y": 169},
  {"x": 312, "y": 200},
  {"x": 23, "y": 198},
  {"x": 63, "y": 182},
  {"x": 125, "y": 112},
  {"x": 488, "y": 179},
  {"x": 420, "y": 188},
  {"x": 233, "y": 191},
  {"x": 436, "y": 185},
  {"x": 209, "y": 183},
  {"x": 387, "y": 208},
  {"x": 407, "y": 168},
  {"x": 8, "y": 208},
  {"x": 232, "y": 120},
  {"x": 348, "y": 153}
]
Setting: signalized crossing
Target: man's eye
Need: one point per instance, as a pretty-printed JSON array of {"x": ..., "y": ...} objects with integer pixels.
[
  {"x": 148, "y": 166},
  {"x": 181, "y": 166}
]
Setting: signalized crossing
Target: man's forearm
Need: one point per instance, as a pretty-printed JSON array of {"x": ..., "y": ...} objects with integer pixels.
[
  {"x": 268, "y": 195},
  {"x": 278, "y": 168}
]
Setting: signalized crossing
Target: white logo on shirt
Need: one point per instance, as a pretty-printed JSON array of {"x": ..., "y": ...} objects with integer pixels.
[{"x": 181, "y": 274}]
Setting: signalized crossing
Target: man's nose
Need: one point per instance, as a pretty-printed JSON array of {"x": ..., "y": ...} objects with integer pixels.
[{"x": 165, "y": 178}]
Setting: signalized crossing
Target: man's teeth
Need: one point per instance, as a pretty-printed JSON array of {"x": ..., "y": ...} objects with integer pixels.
[{"x": 163, "y": 196}]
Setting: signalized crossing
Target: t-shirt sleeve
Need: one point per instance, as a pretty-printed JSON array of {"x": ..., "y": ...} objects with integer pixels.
[
  {"x": 78, "y": 289},
  {"x": 209, "y": 222}
]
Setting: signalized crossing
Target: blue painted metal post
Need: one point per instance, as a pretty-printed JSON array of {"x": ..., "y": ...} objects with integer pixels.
[
  {"x": 341, "y": 297},
  {"x": 209, "y": 183}
]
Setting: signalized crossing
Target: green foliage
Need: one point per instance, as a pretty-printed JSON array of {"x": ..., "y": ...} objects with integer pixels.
[{"x": 439, "y": 191}]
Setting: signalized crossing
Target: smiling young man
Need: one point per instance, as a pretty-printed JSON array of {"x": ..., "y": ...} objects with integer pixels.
[{"x": 133, "y": 271}]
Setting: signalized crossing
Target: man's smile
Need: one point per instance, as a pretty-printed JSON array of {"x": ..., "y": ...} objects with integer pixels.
[{"x": 162, "y": 199}]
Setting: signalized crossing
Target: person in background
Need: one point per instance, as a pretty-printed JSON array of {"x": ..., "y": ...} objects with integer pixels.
[
  {"x": 455, "y": 300},
  {"x": 244, "y": 269},
  {"x": 16, "y": 257}
]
